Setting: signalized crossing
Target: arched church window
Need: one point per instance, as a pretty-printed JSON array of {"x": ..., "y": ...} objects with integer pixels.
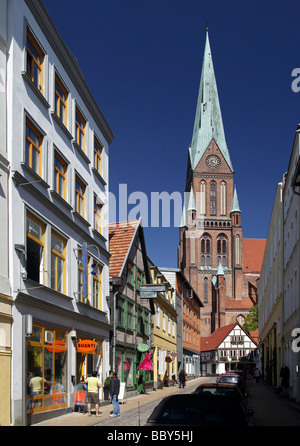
[
  {"x": 202, "y": 197},
  {"x": 213, "y": 193},
  {"x": 223, "y": 198},
  {"x": 205, "y": 290}
]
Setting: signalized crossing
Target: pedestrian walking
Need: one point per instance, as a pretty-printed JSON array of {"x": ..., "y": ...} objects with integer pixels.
[
  {"x": 256, "y": 375},
  {"x": 93, "y": 384},
  {"x": 182, "y": 378},
  {"x": 114, "y": 390}
]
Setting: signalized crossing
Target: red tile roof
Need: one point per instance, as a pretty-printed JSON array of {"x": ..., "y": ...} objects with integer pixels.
[
  {"x": 120, "y": 237},
  {"x": 254, "y": 250},
  {"x": 238, "y": 304},
  {"x": 212, "y": 342}
]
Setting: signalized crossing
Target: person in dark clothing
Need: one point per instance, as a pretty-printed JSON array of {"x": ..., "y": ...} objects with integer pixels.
[
  {"x": 182, "y": 378},
  {"x": 114, "y": 390}
]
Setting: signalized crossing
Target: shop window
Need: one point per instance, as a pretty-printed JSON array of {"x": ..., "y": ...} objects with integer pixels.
[
  {"x": 47, "y": 369},
  {"x": 35, "y": 249}
]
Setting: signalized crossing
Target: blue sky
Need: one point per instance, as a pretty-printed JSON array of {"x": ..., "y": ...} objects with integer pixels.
[{"x": 142, "y": 61}]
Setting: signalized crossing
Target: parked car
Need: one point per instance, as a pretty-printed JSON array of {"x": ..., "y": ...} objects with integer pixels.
[
  {"x": 199, "y": 410},
  {"x": 230, "y": 390},
  {"x": 231, "y": 378}
]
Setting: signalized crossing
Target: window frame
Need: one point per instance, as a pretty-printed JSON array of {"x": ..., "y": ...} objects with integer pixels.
[
  {"x": 98, "y": 156},
  {"x": 98, "y": 206},
  {"x": 59, "y": 100},
  {"x": 80, "y": 196},
  {"x": 30, "y": 70},
  {"x": 62, "y": 257},
  {"x": 39, "y": 242},
  {"x": 33, "y": 146},
  {"x": 58, "y": 174},
  {"x": 80, "y": 129}
]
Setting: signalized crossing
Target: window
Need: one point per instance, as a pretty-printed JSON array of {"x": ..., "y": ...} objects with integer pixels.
[
  {"x": 61, "y": 96},
  {"x": 205, "y": 289},
  {"x": 202, "y": 197},
  {"x": 79, "y": 196},
  {"x": 120, "y": 312},
  {"x": 35, "y": 59},
  {"x": 98, "y": 156},
  {"x": 35, "y": 249},
  {"x": 157, "y": 316},
  {"x": 140, "y": 278},
  {"x": 80, "y": 129},
  {"x": 213, "y": 198},
  {"x": 57, "y": 263},
  {"x": 223, "y": 198},
  {"x": 60, "y": 176},
  {"x": 130, "y": 274},
  {"x": 129, "y": 316},
  {"x": 97, "y": 214},
  {"x": 82, "y": 284},
  {"x": 33, "y": 147},
  {"x": 97, "y": 281},
  {"x": 47, "y": 352}
]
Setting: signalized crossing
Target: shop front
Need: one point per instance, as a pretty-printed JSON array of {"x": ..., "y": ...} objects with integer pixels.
[
  {"x": 136, "y": 380},
  {"x": 55, "y": 364},
  {"x": 47, "y": 364}
]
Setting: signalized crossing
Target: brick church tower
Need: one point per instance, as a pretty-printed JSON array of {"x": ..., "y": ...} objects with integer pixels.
[{"x": 210, "y": 251}]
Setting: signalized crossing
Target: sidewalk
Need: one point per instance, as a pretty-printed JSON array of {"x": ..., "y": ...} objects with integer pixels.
[
  {"x": 270, "y": 408},
  {"x": 80, "y": 419}
]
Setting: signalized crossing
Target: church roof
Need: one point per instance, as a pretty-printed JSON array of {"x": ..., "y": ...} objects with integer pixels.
[
  {"x": 208, "y": 120},
  {"x": 254, "y": 250}
]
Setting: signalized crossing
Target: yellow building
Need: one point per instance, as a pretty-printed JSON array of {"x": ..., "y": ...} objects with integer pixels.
[{"x": 165, "y": 331}]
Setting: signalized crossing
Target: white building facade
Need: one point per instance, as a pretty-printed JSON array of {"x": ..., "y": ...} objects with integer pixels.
[
  {"x": 57, "y": 146},
  {"x": 291, "y": 264}
]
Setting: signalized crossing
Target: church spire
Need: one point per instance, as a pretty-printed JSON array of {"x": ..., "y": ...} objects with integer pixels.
[{"x": 208, "y": 120}]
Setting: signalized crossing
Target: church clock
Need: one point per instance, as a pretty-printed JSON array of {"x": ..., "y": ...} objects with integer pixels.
[{"x": 213, "y": 161}]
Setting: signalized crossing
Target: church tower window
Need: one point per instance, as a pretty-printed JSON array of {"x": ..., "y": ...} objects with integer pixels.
[
  {"x": 223, "y": 198},
  {"x": 202, "y": 197},
  {"x": 213, "y": 198}
]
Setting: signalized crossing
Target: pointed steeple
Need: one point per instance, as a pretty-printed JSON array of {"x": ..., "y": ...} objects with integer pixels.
[
  {"x": 208, "y": 120},
  {"x": 235, "y": 207}
]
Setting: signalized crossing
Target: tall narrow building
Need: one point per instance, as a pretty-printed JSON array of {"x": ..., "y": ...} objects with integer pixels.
[{"x": 211, "y": 253}]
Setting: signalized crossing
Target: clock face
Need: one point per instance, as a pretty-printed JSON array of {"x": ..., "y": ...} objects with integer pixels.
[{"x": 213, "y": 161}]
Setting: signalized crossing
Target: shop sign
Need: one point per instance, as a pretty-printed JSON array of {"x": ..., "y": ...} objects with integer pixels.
[
  {"x": 175, "y": 354},
  {"x": 143, "y": 347},
  {"x": 86, "y": 346}
]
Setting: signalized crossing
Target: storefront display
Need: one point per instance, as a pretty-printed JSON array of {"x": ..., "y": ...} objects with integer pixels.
[{"x": 47, "y": 361}]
